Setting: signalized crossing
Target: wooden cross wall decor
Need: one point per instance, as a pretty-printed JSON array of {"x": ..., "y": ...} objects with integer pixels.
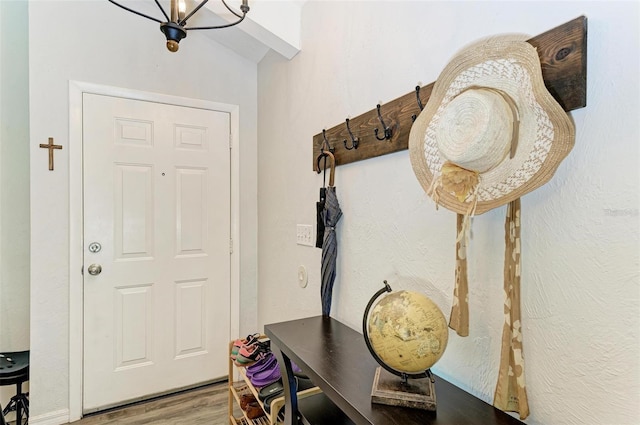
[{"x": 51, "y": 147}]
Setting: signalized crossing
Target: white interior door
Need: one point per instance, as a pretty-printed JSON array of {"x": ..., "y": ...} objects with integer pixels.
[{"x": 157, "y": 201}]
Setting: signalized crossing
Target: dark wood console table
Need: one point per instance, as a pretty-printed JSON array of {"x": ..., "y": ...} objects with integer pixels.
[{"x": 336, "y": 359}]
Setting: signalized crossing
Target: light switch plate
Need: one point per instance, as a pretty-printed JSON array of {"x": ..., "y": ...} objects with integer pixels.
[{"x": 304, "y": 234}]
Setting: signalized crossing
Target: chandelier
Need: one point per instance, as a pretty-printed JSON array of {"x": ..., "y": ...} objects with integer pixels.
[{"x": 175, "y": 27}]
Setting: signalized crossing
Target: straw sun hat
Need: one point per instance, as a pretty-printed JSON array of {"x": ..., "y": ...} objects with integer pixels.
[{"x": 490, "y": 132}]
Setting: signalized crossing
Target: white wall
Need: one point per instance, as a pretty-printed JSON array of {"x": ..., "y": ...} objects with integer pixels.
[
  {"x": 280, "y": 17},
  {"x": 14, "y": 182},
  {"x": 96, "y": 42},
  {"x": 580, "y": 282},
  {"x": 14, "y": 177}
]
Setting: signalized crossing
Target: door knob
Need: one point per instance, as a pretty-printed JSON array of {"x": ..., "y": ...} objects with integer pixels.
[{"x": 94, "y": 269}]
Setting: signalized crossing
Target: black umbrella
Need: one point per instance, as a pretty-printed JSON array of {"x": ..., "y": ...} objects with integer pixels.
[
  {"x": 319, "y": 219},
  {"x": 331, "y": 214},
  {"x": 323, "y": 194}
]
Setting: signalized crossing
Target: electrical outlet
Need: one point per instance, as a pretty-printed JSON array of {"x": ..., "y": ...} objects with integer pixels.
[{"x": 304, "y": 234}]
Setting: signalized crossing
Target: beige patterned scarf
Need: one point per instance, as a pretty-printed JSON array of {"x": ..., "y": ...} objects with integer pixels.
[{"x": 510, "y": 394}]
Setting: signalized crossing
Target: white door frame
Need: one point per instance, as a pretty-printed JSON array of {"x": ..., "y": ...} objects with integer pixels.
[{"x": 76, "y": 299}]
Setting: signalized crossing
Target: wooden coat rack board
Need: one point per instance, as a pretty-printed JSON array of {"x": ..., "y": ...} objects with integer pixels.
[{"x": 563, "y": 56}]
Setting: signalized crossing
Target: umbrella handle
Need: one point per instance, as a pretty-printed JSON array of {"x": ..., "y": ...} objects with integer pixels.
[{"x": 324, "y": 154}]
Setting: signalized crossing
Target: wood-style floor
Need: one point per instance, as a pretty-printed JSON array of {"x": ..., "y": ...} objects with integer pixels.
[{"x": 206, "y": 405}]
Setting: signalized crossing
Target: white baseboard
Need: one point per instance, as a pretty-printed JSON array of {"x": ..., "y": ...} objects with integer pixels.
[{"x": 52, "y": 418}]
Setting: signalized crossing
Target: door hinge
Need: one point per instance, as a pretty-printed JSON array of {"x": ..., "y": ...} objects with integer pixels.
[
  {"x": 230, "y": 140},
  {"x": 230, "y": 246}
]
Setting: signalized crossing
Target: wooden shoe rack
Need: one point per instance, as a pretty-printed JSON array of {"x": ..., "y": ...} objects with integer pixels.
[{"x": 244, "y": 386}]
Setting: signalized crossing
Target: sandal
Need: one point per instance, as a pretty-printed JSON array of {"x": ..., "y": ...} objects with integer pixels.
[
  {"x": 239, "y": 343},
  {"x": 250, "y": 354}
]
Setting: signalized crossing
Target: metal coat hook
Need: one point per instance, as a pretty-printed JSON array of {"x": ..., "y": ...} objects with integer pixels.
[
  {"x": 325, "y": 145},
  {"x": 387, "y": 130},
  {"x": 325, "y": 151},
  {"x": 414, "y": 116},
  {"x": 354, "y": 140}
]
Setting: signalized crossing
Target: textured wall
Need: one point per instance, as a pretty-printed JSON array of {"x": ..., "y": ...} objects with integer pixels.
[
  {"x": 14, "y": 177},
  {"x": 14, "y": 181},
  {"x": 98, "y": 43},
  {"x": 580, "y": 232}
]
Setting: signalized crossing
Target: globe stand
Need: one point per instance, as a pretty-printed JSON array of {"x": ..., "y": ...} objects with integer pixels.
[
  {"x": 394, "y": 387},
  {"x": 391, "y": 390}
]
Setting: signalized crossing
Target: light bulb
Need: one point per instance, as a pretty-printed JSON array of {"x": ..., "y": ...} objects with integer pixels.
[{"x": 182, "y": 9}]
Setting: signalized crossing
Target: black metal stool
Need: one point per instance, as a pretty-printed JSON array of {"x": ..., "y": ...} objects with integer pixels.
[{"x": 14, "y": 369}]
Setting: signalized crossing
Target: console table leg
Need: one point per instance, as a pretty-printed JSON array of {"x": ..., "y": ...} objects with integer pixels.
[{"x": 289, "y": 384}]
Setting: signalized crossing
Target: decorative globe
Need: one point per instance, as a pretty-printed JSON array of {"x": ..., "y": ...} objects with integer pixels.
[{"x": 405, "y": 331}]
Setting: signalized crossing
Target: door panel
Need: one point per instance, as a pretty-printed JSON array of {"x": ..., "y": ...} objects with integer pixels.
[
  {"x": 157, "y": 199},
  {"x": 191, "y": 210},
  {"x": 133, "y": 199},
  {"x": 190, "y": 318},
  {"x": 133, "y": 328}
]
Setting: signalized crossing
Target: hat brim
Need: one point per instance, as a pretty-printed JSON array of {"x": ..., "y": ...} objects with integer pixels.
[{"x": 546, "y": 135}]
